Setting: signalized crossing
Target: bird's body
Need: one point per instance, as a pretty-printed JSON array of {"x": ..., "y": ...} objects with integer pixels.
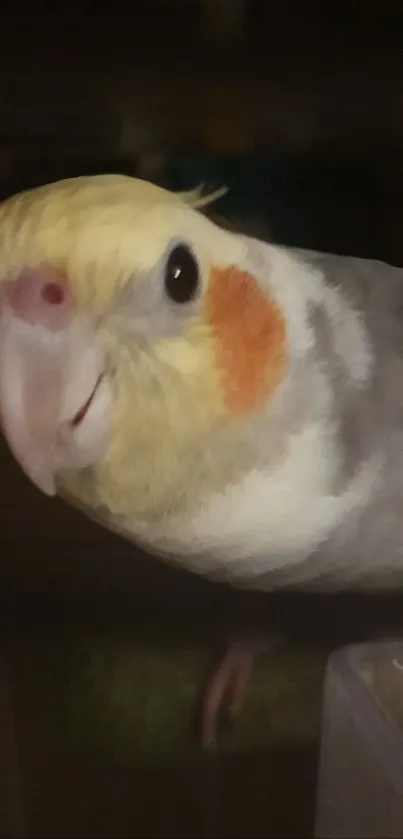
[
  {"x": 307, "y": 494},
  {"x": 251, "y": 429}
]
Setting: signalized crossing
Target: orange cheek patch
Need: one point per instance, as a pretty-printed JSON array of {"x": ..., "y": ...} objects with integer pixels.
[{"x": 249, "y": 333}]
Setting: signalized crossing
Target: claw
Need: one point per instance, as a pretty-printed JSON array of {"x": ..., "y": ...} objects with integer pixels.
[{"x": 225, "y": 687}]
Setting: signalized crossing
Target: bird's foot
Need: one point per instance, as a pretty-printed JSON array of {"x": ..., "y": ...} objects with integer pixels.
[{"x": 225, "y": 687}]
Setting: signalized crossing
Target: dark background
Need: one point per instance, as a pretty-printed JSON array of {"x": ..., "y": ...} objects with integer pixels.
[{"x": 298, "y": 108}]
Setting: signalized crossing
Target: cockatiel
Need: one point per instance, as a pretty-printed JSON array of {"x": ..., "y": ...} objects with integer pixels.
[{"x": 226, "y": 403}]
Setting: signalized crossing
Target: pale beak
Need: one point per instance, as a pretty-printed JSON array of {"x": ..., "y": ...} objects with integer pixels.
[{"x": 55, "y": 393}]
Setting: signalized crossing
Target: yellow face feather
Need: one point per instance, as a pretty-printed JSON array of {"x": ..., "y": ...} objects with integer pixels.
[
  {"x": 179, "y": 395},
  {"x": 101, "y": 231}
]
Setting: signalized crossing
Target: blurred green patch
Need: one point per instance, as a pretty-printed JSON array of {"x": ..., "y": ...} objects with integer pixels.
[{"x": 132, "y": 699}]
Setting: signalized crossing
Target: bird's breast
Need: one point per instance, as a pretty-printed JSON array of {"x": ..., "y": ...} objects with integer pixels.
[{"x": 270, "y": 523}]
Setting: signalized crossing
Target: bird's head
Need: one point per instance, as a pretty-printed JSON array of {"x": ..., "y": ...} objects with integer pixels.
[{"x": 131, "y": 333}]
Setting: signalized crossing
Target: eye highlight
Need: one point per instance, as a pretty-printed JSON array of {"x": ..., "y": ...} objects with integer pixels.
[{"x": 181, "y": 275}]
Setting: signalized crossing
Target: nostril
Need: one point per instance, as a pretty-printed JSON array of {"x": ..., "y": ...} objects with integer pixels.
[
  {"x": 40, "y": 296},
  {"x": 53, "y": 293}
]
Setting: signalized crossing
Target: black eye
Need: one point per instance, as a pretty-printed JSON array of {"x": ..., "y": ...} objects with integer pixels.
[{"x": 181, "y": 275}]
